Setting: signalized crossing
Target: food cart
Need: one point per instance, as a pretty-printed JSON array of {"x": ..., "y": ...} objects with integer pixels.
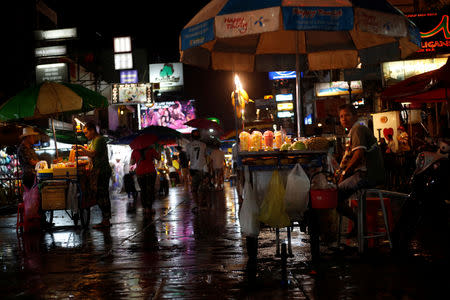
[
  {"x": 67, "y": 186},
  {"x": 314, "y": 159}
]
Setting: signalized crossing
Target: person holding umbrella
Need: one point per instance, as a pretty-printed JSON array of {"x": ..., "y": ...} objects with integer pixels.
[
  {"x": 143, "y": 156},
  {"x": 101, "y": 171}
]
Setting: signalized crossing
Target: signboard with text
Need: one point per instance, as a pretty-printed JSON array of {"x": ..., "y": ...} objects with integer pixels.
[
  {"x": 434, "y": 32},
  {"x": 52, "y": 72},
  {"x": 337, "y": 88},
  {"x": 168, "y": 75},
  {"x": 133, "y": 93}
]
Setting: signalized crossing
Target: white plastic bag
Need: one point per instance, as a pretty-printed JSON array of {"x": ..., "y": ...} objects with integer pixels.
[
  {"x": 297, "y": 193},
  {"x": 72, "y": 198},
  {"x": 248, "y": 216}
]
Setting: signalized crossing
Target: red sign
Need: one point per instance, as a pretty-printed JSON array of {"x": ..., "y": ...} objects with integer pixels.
[{"x": 434, "y": 31}]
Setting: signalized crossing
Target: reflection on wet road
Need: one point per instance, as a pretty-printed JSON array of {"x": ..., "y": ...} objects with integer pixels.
[{"x": 200, "y": 254}]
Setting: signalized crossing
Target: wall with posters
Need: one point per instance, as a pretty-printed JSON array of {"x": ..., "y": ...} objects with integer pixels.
[{"x": 172, "y": 114}]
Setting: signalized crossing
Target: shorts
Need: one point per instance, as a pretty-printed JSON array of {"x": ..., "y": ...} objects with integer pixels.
[{"x": 197, "y": 177}]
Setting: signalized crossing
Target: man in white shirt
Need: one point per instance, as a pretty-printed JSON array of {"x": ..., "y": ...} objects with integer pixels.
[
  {"x": 196, "y": 153},
  {"x": 218, "y": 159}
]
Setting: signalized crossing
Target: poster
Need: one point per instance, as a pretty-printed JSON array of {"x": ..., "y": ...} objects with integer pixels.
[
  {"x": 131, "y": 93},
  {"x": 172, "y": 114}
]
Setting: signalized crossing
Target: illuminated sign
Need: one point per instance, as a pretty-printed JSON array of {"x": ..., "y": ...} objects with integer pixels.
[
  {"x": 123, "y": 61},
  {"x": 268, "y": 97},
  {"x": 337, "y": 88},
  {"x": 285, "y": 106},
  {"x": 434, "y": 31},
  {"x": 131, "y": 93},
  {"x": 169, "y": 76},
  {"x": 285, "y": 114},
  {"x": 396, "y": 71},
  {"x": 52, "y": 72},
  {"x": 50, "y": 51},
  {"x": 130, "y": 76},
  {"x": 283, "y": 97},
  {"x": 122, "y": 44},
  {"x": 282, "y": 75},
  {"x": 308, "y": 119},
  {"x": 56, "y": 34}
]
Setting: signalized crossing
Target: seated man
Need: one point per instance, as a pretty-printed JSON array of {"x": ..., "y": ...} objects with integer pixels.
[{"x": 362, "y": 163}]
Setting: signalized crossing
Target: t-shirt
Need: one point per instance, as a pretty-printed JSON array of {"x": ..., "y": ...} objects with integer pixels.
[
  {"x": 360, "y": 137},
  {"x": 25, "y": 154},
  {"x": 100, "y": 160},
  {"x": 144, "y": 166},
  {"x": 196, "y": 152},
  {"x": 217, "y": 157}
]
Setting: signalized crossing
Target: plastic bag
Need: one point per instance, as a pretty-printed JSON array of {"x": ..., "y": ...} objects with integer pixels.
[
  {"x": 248, "y": 216},
  {"x": 297, "y": 193},
  {"x": 31, "y": 207},
  {"x": 273, "y": 212},
  {"x": 72, "y": 197}
]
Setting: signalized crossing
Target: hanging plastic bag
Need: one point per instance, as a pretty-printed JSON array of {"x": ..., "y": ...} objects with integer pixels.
[
  {"x": 31, "y": 201},
  {"x": 248, "y": 216},
  {"x": 72, "y": 197},
  {"x": 273, "y": 212},
  {"x": 297, "y": 193}
]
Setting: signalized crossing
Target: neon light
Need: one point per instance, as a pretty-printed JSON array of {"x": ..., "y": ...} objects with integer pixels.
[{"x": 443, "y": 25}]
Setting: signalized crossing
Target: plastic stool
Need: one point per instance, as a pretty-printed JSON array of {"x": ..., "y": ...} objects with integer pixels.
[
  {"x": 372, "y": 207},
  {"x": 20, "y": 219}
]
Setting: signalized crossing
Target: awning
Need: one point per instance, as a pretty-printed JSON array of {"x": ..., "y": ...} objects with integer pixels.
[{"x": 433, "y": 86}]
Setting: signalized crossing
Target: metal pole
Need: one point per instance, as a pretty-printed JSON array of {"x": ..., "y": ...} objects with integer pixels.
[
  {"x": 298, "y": 100},
  {"x": 236, "y": 122},
  {"x": 54, "y": 138}
]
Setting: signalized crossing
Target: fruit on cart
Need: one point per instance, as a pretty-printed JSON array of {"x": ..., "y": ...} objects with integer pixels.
[
  {"x": 298, "y": 145},
  {"x": 285, "y": 146},
  {"x": 317, "y": 143}
]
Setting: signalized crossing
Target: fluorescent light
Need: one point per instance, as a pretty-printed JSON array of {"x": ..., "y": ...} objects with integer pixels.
[
  {"x": 123, "y": 61},
  {"x": 48, "y": 66},
  {"x": 122, "y": 44}
]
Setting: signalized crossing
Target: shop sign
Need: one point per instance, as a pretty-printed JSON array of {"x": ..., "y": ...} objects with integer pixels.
[
  {"x": 197, "y": 34},
  {"x": 434, "y": 32},
  {"x": 133, "y": 93},
  {"x": 282, "y": 75},
  {"x": 396, "y": 71},
  {"x": 285, "y": 106},
  {"x": 284, "y": 97},
  {"x": 168, "y": 75},
  {"x": 52, "y": 72},
  {"x": 380, "y": 23},
  {"x": 249, "y": 22},
  {"x": 285, "y": 114},
  {"x": 50, "y": 51},
  {"x": 129, "y": 76},
  {"x": 337, "y": 88},
  {"x": 56, "y": 34},
  {"x": 318, "y": 18}
]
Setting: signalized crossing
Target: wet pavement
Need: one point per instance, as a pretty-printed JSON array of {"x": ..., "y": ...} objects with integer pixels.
[{"x": 185, "y": 254}]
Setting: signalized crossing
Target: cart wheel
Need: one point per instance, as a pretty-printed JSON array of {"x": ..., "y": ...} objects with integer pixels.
[{"x": 85, "y": 216}]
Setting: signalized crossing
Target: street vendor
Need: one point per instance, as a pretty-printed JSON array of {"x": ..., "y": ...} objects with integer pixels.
[
  {"x": 101, "y": 171},
  {"x": 362, "y": 163},
  {"x": 27, "y": 156}
]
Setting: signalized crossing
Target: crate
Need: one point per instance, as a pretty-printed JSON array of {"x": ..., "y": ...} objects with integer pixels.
[
  {"x": 326, "y": 198},
  {"x": 53, "y": 197},
  {"x": 65, "y": 173}
]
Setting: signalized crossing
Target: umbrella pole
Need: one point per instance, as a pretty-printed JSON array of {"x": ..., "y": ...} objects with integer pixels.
[
  {"x": 54, "y": 137},
  {"x": 298, "y": 99},
  {"x": 236, "y": 123}
]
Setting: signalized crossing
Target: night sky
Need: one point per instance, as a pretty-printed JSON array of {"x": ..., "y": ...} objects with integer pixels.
[{"x": 155, "y": 26}]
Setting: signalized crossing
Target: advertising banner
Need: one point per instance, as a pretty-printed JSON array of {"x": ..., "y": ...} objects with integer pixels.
[
  {"x": 133, "y": 93},
  {"x": 168, "y": 75},
  {"x": 337, "y": 88},
  {"x": 380, "y": 23},
  {"x": 197, "y": 34},
  {"x": 129, "y": 76},
  {"x": 250, "y": 22},
  {"x": 171, "y": 114},
  {"x": 282, "y": 75},
  {"x": 318, "y": 18}
]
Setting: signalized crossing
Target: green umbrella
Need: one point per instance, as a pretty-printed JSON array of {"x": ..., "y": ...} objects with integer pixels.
[{"x": 50, "y": 99}]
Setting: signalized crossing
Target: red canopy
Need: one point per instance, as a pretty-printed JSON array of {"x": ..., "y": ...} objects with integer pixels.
[{"x": 433, "y": 86}]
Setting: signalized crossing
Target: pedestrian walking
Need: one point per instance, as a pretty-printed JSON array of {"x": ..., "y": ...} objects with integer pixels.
[
  {"x": 184, "y": 166},
  {"x": 146, "y": 176},
  {"x": 217, "y": 163},
  {"x": 196, "y": 153}
]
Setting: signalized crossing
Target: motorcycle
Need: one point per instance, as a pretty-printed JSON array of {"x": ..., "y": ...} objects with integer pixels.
[{"x": 429, "y": 201}]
